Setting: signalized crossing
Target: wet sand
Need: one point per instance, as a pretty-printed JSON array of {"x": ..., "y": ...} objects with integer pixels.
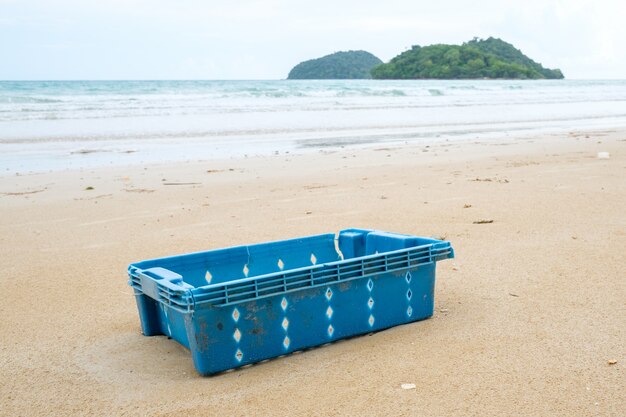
[{"x": 530, "y": 318}]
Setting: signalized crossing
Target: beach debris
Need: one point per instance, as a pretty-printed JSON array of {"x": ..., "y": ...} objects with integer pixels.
[
  {"x": 87, "y": 151},
  {"x": 214, "y": 171},
  {"x": 407, "y": 386},
  {"x": 483, "y": 221},
  {"x": 467, "y": 205},
  {"x": 89, "y": 188},
  {"x": 182, "y": 183},
  {"x": 382, "y": 197},
  {"x": 316, "y": 186},
  {"x": 309, "y": 212},
  {"x": 611, "y": 362},
  {"x": 604, "y": 155},
  {"x": 25, "y": 192},
  {"x": 94, "y": 198},
  {"x": 138, "y": 190},
  {"x": 513, "y": 295},
  {"x": 443, "y": 310},
  {"x": 502, "y": 180},
  {"x": 456, "y": 268}
]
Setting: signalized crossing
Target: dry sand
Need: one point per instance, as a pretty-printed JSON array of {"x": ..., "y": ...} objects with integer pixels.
[{"x": 526, "y": 318}]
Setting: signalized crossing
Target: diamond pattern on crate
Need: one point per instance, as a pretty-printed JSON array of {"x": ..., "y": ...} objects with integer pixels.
[
  {"x": 281, "y": 264},
  {"x": 329, "y": 312},
  {"x": 246, "y": 269},
  {"x": 313, "y": 259},
  {"x": 329, "y": 294},
  {"x": 285, "y": 324},
  {"x": 409, "y": 294},
  {"x": 239, "y": 355},
  {"x": 371, "y": 320},
  {"x": 208, "y": 277},
  {"x": 236, "y": 315},
  {"x": 237, "y": 335},
  {"x": 331, "y": 330},
  {"x": 286, "y": 342},
  {"x": 370, "y": 284},
  {"x": 370, "y": 303},
  {"x": 283, "y": 304},
  {"x": 409, "y": 311},
  {"x": 408, "y": 277}
]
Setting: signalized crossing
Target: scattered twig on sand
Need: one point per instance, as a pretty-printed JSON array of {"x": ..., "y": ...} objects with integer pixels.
[
  {"x": 94, "y": 198},
  {"x": 25, "y": 192},
  {"x": 182, "y": 183},
  {"x": 138, "y": 190},
  {"x": 513, "y": 295},
  {"x": 467, "y": 205},
  {"x": 502, "y": 181},
  {"x": 89, "y": 188},
  {"x": 315, "y": 186},
  {"x": 483, "y": 221},
  {"x": 611, "y": 362}
]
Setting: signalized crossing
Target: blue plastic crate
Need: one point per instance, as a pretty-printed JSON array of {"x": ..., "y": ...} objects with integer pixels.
[{"x": 236, "y": 306}]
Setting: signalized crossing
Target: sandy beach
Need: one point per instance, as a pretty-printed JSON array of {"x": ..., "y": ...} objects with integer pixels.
[{"x": 530, "y": 318}]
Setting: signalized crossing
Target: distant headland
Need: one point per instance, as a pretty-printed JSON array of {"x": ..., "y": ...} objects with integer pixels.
[
  {"x": 490, "y": 58},
  {"x": 337, "y": 66}
]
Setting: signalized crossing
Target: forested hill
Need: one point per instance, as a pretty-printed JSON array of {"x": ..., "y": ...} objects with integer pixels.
[
  {"x": 478, "y": 58},
  {"x": 340, "y": 65}
]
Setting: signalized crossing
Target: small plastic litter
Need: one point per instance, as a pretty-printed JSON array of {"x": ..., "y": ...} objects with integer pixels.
[
  {"x": 604, "y": 155},
  {"x": 407, "y": 386}
]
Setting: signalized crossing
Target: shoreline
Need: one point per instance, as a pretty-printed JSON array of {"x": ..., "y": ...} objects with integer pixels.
[
  {"x": 527, "y": 317},
  {"x": 59, "y": 156}
]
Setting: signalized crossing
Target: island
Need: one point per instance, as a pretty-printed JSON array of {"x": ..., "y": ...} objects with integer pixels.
[
  {"x": 490, "y": 58},
  {"x": 340, "y": 65}
]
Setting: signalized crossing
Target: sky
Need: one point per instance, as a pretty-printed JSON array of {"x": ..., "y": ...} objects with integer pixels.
[{"x": 252, "y": 39}]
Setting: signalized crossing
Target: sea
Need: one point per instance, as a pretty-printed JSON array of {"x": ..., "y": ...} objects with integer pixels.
[{"x": 58, "y": 125}]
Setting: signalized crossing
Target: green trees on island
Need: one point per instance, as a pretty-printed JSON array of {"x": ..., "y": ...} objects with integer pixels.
[
  {"x": 340, "y": 65},
  {"x": 478, "y": 58}
]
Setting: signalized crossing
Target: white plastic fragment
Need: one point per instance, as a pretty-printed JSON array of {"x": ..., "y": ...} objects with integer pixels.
[
  {"x": 604, "y": 155},
  {"x": 407, "y": 386}
]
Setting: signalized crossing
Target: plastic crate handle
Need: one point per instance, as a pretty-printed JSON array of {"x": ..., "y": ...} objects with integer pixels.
[{"x": 152, "y": 278}]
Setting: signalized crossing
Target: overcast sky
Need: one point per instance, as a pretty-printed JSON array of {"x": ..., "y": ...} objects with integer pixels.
[{"x": 250, "y": 39}]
